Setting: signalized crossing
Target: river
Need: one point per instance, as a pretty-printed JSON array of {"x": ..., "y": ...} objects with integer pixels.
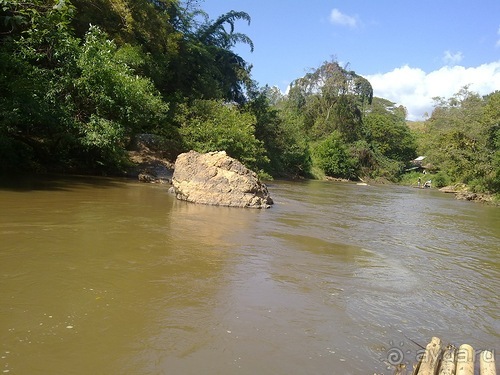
[{"x": 109, "y": 276}]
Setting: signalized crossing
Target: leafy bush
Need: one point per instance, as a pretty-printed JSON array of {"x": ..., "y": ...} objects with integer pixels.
[
  {"x": 209, "y": 125},
  {"x": 390, "y": 136},
  {"x": 333, "y": 157},
  {"x": 440, "y": 180},
  {"x": 387, "y": 168},
  {"x": 73, "y": 103},
  {"x": 281, "y": 133},
  {"x": 410, "y": 178},
  {"x": 108, "y": 88},
  {"x": 288, "y": 147},
  {"x": 461, "y": 139}
]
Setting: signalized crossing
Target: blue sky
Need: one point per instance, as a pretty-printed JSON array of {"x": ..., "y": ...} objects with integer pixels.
[{"x": 410, "y": 51}]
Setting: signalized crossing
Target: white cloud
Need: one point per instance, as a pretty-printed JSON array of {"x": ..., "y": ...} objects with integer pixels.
[
  {"x": 452, "y": 58},
  {"x": 338, "y": 18},
  {"x": 414, "y": 88}
]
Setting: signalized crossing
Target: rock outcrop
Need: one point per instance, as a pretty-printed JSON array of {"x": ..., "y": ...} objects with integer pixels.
[
  {"x": 476, "y": 197},
  {"x": 462, "y": 192},
  {"x": 215, "y": 178}
]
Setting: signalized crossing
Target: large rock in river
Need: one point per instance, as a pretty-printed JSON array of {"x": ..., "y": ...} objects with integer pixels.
[{"x": 215, "y": 178}]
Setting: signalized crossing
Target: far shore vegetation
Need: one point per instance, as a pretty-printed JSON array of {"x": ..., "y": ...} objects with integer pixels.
[{"x": 80, "y": 78}]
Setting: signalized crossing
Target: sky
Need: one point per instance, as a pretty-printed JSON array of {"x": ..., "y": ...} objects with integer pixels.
[{"x": 410, "y": 51}]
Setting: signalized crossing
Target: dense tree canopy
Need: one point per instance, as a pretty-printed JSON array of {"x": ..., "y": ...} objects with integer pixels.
[
  {"x": 79, "y": 78},
  {"x": 461, "y": 139},
  {"x": 332, "y": 98}
]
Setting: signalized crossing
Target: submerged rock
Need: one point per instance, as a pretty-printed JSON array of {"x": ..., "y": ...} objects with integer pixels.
[{"x": 216, "y": 179}]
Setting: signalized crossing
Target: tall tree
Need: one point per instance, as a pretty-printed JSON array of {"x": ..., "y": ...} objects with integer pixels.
[
  {"x": 386, "y": 130},
  {"x": 206, "y": 67},
  {"x": 282, "y": 135},
  {"x": 332, "y": 98}
]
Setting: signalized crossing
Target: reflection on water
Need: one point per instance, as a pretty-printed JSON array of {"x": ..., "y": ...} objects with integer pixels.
[{"x": 110, "y": 276}]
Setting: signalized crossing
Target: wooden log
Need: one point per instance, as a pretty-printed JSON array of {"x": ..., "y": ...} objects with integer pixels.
[
  {"x": 448, "y": 362},
  {"x": 465, "y": 360},
  {"x": 430, "y": 361},
  {"x": 487, "y": 363}
]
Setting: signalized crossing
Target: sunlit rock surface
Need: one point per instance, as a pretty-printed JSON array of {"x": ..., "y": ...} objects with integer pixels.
[{"x": 215, "y": 178}]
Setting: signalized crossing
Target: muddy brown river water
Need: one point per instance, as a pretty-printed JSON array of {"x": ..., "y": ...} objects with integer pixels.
[{"x": 107, "y": 276}]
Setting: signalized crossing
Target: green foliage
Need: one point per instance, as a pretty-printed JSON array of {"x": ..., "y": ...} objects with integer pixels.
[
  {"x": 111, "y": 102},
  {"x": 72, "y": 96},
  {"x": 411, "y": 178},
  {"x": 71, "y": 104},
  {"x": 460, "y": 139},
  {"x": 333, "y": 157},
  {"x": 371, "y": 139},
  {"x": 205, "y": 67},
  {"x": 35, "y": 65},
  {"x": 214, "y": 126},
  {"x": 390, "y": 136},
  {"x": 331, "y": 98},
  {"x": 102, "y": 134},
  {"x": 440, "y": 179},
  {"x": 372, "y": 136},
  {"x": 293, "y": 153},
  {"x": 282, "y": 136},
  {"x": 142, "y": 23},
  {"x": 109, "y": 89},
  {"x": 215, "y": 34},
  {"x": 386, "y": 168},
  {"x": 38, "y": 19},
  {"x": 491, "y": 120}
]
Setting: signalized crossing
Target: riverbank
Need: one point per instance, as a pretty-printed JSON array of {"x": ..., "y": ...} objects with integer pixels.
[
  {"x": 462, "y": 192},
  {"x": 150, "y": 166},
  {"x": 149, "y": 162},
  {"x": 441, "y": 182}
]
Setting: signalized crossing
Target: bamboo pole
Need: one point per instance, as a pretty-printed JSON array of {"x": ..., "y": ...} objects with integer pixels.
[
  {"x": 465, "y": 360},
  {"x": 400, "y": 369},
  {"x": 448, "y": 362},
  {"x": 487, "y": 363},
  {"x": 430, "y": 360}
]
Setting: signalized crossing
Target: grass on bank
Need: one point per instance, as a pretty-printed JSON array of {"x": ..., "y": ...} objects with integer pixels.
[{"x": 438, "y": 179}]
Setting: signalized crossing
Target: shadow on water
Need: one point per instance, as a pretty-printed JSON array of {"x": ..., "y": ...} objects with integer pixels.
[{"x": 53, "y": 182}]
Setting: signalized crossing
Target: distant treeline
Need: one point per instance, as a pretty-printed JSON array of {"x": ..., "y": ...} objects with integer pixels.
[{"x": 80, "y": 78}]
